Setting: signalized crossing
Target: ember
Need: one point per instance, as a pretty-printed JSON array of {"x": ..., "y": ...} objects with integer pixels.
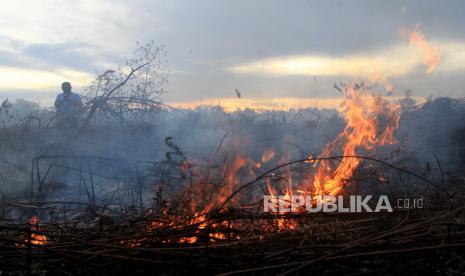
[{"x": 36, "y": 238}]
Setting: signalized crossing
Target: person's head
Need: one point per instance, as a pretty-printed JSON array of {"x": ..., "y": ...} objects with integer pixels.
[{"x": 66, "y": 87}]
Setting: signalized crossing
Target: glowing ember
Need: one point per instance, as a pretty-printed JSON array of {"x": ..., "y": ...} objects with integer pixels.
[
  {"x": 36, "y": 238},
  {"x": 188, "y": 240},
  {"x": 217, "y": 236}
]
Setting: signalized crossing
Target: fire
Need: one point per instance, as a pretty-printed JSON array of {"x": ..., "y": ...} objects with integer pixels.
[
  {"x": 370, "y": 122},
  {"x": 282, "y": 223},
  {"x": 188, "y": 240},
  {"x": 36, "y": 238},
  {"x": 205, "y": 192},
  {"x": 364, "y": 130},
  {"x": 431, "y": 57}
]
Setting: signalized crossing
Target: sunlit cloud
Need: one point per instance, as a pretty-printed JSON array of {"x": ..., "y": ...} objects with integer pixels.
[
  {"x": 393, "y": 62},
  {"x": 452, "y": 57},
  {"x": 12, "y": 78}
]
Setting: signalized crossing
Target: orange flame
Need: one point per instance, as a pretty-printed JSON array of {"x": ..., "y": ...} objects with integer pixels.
[
  {"x": 206, "y": 191},
  {"x": 431, "y": 57},
  {"x": 37, "y": 238},
  {"x": 363, "y": 116},
  {"x": 287, "y": 189}
]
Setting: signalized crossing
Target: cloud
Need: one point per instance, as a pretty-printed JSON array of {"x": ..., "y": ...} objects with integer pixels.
[
  {"x": 42, "y": 55},
  {"x": 58, "y": 21},
  {"x": 41, "y": 66},
  {"x": 261, "y": 39},
  {"x": 78, "y": 56},
  {"x": 398, "y": 61},
  {"x": 12, "y": 78},
  {"x": 395, "y": 62}
]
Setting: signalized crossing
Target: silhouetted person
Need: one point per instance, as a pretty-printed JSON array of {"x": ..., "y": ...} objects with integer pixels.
[{"x": 68, "y": 105}]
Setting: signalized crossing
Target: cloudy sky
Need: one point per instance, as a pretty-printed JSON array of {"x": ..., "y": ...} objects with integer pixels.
[{"x": 274, "y": 52}]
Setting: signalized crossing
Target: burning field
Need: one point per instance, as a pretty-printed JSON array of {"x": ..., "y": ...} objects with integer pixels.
[
  {"x": 94, "y": 206},
  {"x": 131, "y": 185}
]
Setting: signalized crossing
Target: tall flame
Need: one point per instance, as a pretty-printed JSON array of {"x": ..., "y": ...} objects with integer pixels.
[
  {"x": 370, "y": 121},
  {"x": 431, "y": 57}
]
